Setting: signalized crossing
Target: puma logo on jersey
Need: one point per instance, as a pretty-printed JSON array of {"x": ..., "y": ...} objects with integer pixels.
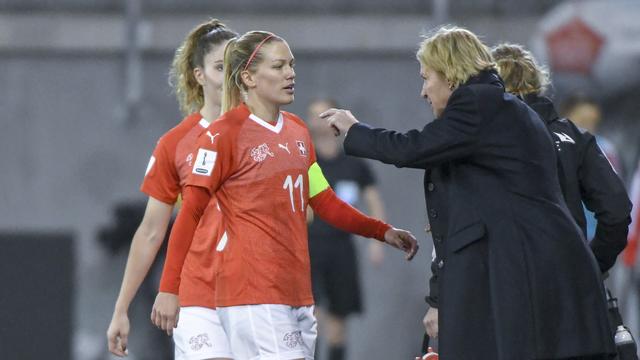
[
  {"x": 564, "y": 137},
  {"x": 285, "y": 147},
  {"x": 189, "y": 159},
  {"x": 260, "y": 152},
  {"x": 211, "y": 137}
]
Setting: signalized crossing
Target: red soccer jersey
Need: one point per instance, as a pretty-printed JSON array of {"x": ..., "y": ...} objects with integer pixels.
[
  {"x": 259, "y": 173},
  {"x": 166, "y": 175}
]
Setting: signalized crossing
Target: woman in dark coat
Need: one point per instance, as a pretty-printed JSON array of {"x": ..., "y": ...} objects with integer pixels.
[
  {"x": 517, "y": 280},
  {"x": 586, "y": 176}
]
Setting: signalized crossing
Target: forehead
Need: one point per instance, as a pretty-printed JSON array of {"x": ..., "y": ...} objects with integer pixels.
[
  {"x": 216, "y": 52},
  {"x": 276, "y": 50}
]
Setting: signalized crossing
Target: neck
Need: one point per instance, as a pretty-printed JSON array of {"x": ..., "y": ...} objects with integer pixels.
[
  {"x": 265, "y": 110},
  {"x": 210, "y": 112},
  {"x": 326, "y": 147}
]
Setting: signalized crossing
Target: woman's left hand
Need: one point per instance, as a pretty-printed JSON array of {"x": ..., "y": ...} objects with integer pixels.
[{"x": 340, "y": 120}]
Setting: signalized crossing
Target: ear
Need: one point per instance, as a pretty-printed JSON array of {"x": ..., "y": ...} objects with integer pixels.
[
  {"x": 248, "y": 79},
  {"x": 198, "y": 73}
]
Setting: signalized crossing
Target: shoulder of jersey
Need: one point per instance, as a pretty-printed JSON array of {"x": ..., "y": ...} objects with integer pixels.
[
  {"x": 295, "y": 118},
  {"x": 227, "y": 121},
  {"x": 181, "y": 129},
  {"x": 226, "y": 125}
]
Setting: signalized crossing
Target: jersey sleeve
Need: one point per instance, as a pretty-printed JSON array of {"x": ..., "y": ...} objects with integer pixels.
[
  {"x": 338, "y": 213},
  {"x": 317, "y": 182},
  {"x": 214, "y": 159},
  {"x": 161, "y": 180}
]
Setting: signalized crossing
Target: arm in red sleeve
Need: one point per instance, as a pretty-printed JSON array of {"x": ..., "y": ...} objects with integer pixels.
[
  {"x": 195, "y": 200},
  {"x": 345, "y": 217}
]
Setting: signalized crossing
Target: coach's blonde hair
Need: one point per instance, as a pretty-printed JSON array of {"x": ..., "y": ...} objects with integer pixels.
[
  {"x": 236, "y": 56},
  {"x": 456, "y": 53},
  {"x": 519, "y": 70},
  {"x": 190, "y": 55}
]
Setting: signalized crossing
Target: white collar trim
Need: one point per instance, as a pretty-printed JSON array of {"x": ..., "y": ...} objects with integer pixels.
[
  {"x": 204, "y": 123},
  {"x": 275, "y": 128}
]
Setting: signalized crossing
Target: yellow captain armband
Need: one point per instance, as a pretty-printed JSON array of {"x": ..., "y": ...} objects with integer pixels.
[{"x": 317, "y": 181}]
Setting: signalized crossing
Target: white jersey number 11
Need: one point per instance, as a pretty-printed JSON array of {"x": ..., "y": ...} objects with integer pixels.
[{"x": 299, "y": 183}]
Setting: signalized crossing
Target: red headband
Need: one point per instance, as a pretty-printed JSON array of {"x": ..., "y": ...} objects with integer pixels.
[{"x": 255, "y": 51}]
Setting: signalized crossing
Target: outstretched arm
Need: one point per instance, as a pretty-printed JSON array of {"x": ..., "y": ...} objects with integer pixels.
[
  {"x": 454, "y": 135},
  {"x": 328, "y": 206}
]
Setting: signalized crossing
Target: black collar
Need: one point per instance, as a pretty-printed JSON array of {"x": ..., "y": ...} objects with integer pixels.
[
  {"x": 489, "y": 77},
  {"x": 543, "y": 106}
]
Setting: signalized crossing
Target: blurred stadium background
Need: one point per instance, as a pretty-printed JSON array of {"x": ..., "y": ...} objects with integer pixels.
[{"x": 84, "y": 97}]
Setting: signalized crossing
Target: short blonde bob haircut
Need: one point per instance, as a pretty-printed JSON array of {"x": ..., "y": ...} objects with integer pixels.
[{"x": 456, "y": 53}]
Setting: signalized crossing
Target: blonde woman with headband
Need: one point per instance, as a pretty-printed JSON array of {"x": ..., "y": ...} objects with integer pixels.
[
  {"x": 260, "y": 163},
  {"x": 196, "y": 76},
  {"x": 501, "y": 230}
]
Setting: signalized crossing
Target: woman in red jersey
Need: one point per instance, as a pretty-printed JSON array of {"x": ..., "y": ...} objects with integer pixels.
[
  {"x": 196, "y": 75},
  {"x": 260, "y": 163}
]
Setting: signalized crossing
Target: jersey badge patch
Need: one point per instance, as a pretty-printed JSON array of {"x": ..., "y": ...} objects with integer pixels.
[
  {"x": 302, "y": 149},
  {"x": 260, "y": 152},
  {"x": 205, "y": 160}
]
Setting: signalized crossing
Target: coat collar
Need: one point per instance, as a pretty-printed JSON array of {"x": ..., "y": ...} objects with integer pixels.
[
  {"x": 543, "y": 106},
  {"x": 488, "y": 77}
]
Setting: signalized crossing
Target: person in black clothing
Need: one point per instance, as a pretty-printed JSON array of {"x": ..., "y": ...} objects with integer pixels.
[
  {"x": 334, "y": 268},
  {"x": 586, "y": 176},
  {"x": 506, "y": 289}
]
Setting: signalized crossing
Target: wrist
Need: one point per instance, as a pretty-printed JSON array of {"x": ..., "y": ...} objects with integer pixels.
[
  {"x": 121, "y": 309},
  {"x": 381, "y": 232}
]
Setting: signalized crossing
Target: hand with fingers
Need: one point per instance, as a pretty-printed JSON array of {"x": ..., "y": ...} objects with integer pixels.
[
  {"x": 118, "y": 334},
  {"x": 339, "y": 120},
  {"x": 430, "y": 322},
  {"x": 165, "y": 312},
  {"x": 403, "y": 240}
]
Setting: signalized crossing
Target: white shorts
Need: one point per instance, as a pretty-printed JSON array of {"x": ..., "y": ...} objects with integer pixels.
[
  {"x": 200, "y": 335},
  {"x": 270, "y": 331}
]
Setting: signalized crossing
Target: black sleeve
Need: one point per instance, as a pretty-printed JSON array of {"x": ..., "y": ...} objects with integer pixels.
[
  {"x": 453, "y": 135},
  {"x": 604, "y": 194},
  {"x": 432, "y": 298}
]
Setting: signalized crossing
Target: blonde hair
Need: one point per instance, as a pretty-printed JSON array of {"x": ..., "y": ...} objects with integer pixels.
[
  {"x": 456, "y": 53},
  {"x": 236, "y": 55},
  {"x": 190, "y": 55},
  {"x": 519, "y": 70}
]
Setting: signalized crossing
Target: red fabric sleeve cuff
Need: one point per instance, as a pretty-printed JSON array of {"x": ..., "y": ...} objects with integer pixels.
[{"x": 330, "y": 208}]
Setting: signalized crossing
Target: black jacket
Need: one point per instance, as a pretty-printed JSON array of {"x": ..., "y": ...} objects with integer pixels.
[
  {"x": 587, "y": 176},
  {"x": 507, "y": 290}
]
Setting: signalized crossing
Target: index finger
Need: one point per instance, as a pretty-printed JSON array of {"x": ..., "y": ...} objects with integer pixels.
[{"x": 327, "y": 113}]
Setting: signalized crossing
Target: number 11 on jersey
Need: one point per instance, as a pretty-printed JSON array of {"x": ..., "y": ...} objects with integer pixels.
[{"x": 290, "y": 185}]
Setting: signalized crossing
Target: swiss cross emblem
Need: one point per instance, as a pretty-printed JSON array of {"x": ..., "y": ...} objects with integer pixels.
[{"x": 301, "y": 148}]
